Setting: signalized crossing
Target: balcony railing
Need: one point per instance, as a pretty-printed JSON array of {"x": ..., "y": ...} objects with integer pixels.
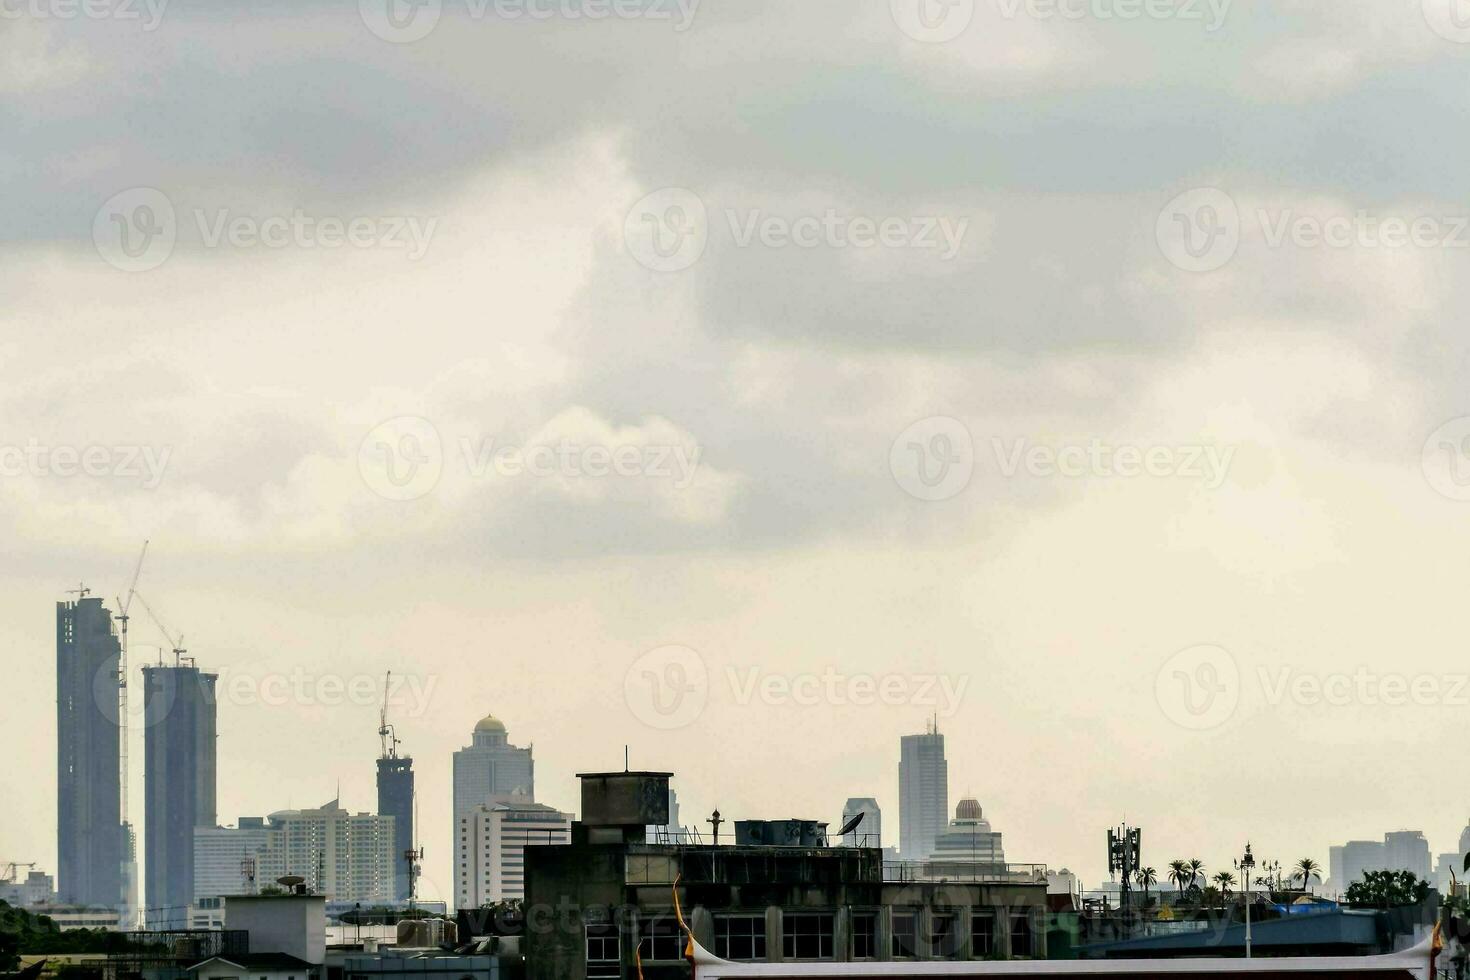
[{"x": 963, "y": 871}]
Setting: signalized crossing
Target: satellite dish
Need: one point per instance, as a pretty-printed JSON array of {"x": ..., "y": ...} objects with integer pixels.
[
  {"x": 851, "y": 825},
  {"x": 290, "y": 881}
]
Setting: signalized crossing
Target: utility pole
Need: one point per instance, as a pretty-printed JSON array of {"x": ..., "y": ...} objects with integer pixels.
[{"x": 1245, "y": 866}]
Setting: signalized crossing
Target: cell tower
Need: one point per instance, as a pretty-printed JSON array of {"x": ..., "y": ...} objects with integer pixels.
[{"x": 1125, "y": 846}]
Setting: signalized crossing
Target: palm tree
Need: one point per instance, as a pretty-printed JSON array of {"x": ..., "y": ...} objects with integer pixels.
[
  {"x": 1196, "y": 869},
  {"x": 1146, "y": 877},
  {"x": 1224, "y": 879},
  {"x": 1306, "y": 870},
  {"x": 1179, "y": 874}
]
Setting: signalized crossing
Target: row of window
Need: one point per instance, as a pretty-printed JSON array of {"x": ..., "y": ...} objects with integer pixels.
[{"x": 812, "y": 936}]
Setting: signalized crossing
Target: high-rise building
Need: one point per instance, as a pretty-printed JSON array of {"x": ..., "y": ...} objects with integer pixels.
[
  {"x": 923, "y": 794},
  {"x": 1359, "y": 856},
  {"x": 90, "y": 838},
  {"x": 489, "y": 768},
  {"x": 1407, "y": 850},
  {"x": 868, "y": 833},
  {"x": 492, "y": 840},
  {"x": 228, "y": 860},
  {"x": 179, "y": 734},
  {"x": 348, "y": 857},
  {"x": 968, "y": 846},
  {"x": 395, "y": 799}
]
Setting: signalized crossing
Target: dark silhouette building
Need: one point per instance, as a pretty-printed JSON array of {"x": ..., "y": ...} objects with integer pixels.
[
  {"x": 90, "y": 839},
  {"x": 179, "y": 715},
  {"x": 395, "y": 799}
]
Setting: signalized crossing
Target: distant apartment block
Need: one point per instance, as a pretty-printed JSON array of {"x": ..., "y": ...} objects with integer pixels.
[
  {"x": 1401, "y": 850},
  {"x": 179, "y": 715},
  {"x": 228, "y": 860},
  {"x": 344, "y": 857},
  {"x": 36, "y": 888},
  {"x": 492, "y": 841},
  {"x": 91, "y": 842}
]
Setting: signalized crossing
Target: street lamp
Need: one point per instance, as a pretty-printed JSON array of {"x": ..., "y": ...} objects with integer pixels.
[{"x": 1245, "y": 866}]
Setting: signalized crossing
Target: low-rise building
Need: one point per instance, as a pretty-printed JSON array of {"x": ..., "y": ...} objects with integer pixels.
[
  {"x": 493, "y": 839},
  {"x": 602, "y": 906}
]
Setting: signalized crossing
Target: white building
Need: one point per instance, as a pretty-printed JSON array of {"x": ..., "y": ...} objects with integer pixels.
[
  {"x": 968, "y": 845},
  {"x": 492, "y": 839},
  {"x": 223, "y": 856},
  {"x": 869, "y": 833},
  {"x": 491, "y": 768},
  {"x": 38, "y": 888},
  {"x": 923, "y": 794},
  {"x": 347, "y": 857},
  {"x": 1407, "y": 850}
]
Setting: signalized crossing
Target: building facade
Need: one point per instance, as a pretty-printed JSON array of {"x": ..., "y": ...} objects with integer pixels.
[
  {"x": 1407, "y": 850},
  {"x": 90, "y": 838},
  {"x": 228, "y": 860},
  {"x": 747, "y": 902},
  {"x": 395, "y": 799},
  {"x": 347, "y": 857},
  {"x": 492, "y": 841},
  {"x": 967, "y": 846},
  {"x": 490, "y": 768},
  {"x": 923, "y": 788},
  {"x": 869, "y": 833},
  {"x": 179, "y": 714}
]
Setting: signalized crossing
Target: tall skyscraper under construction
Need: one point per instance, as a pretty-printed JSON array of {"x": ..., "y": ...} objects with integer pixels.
[
  {"x": 179, "y": 714},
  {"x": 90, "y": 838},
  {"x": 395, "y": 799}
]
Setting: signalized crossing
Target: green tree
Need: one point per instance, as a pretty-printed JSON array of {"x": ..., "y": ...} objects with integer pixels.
[
  {"x": 1306, "y": 870},
  {"x": 1386, "y": 890},
  {"x": 1179, "y": 873},
  {"x": 1146, "y": 879},
  {"x": 1224, "y": 880},
  {"x": 1196, "y": 869}
]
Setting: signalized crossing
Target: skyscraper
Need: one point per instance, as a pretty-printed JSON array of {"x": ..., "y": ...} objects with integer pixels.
[
  {"x": 923, "y": 794},
  {"x": 395, "y": 799},
  {"x": 90, "y": 838},
  {"x": 179, "y": 719},
  {"x": 869, "y": 833},
  {"x": 490, "y": 767}
]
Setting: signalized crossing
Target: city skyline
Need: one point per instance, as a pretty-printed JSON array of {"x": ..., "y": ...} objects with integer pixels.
[{"x": 490, "y": 735}]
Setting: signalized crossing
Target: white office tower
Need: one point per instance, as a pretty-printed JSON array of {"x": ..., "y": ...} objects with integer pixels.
[
  {"x": 968, "y": 847},
  {"x": 923, "y": 794},
  {"x": 869, "y": 832},
  {"x": 492, "y": 839},
  {"x": 490, "y": 768}
]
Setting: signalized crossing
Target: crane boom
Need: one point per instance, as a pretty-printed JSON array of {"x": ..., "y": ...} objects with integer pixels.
[
  {"x": 386, "y": 734},
  {"x": 123, "y": 700},
  {"x": 177, "y": 644}
]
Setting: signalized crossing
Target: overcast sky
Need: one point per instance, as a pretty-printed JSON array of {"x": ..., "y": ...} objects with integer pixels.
[{"x": 748, "y": 382}]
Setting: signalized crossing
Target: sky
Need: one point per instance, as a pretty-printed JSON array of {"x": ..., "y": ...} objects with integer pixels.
[{"x": 748, "y": 384}]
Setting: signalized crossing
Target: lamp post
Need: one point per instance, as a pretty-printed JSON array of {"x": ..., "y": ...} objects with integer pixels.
[{"x": 1245, "y": 866}]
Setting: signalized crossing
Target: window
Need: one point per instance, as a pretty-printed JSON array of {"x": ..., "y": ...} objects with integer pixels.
[
  {"x": 944, "y": 935},
  {"x": 982, "y": 935},
  {"x": 1020, "y": 934},
  {"x": 865, "y": 935},
  {"x": 807, "y": 935},
  {"x": 905, "y": 934},
  {"x": 659, "y": 938},
  {"x": 740, "y": 937},
  {"x": 604, "y": 959}
]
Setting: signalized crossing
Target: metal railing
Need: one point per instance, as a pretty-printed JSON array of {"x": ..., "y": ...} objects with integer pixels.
[{"x": 962, "y": 871}]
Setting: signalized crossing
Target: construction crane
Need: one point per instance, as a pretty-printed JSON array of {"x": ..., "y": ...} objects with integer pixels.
[
  {"x": 176, "y": 644},
  {"x": 81, "y": 591},
  {"x": 12, "y": 871},
  {"x": 386, "y": 732},
  {"x": 122, "y": 683}
]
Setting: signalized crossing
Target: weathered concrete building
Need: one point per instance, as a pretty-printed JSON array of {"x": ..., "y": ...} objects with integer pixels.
[{"x": 601, "y": 905}]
